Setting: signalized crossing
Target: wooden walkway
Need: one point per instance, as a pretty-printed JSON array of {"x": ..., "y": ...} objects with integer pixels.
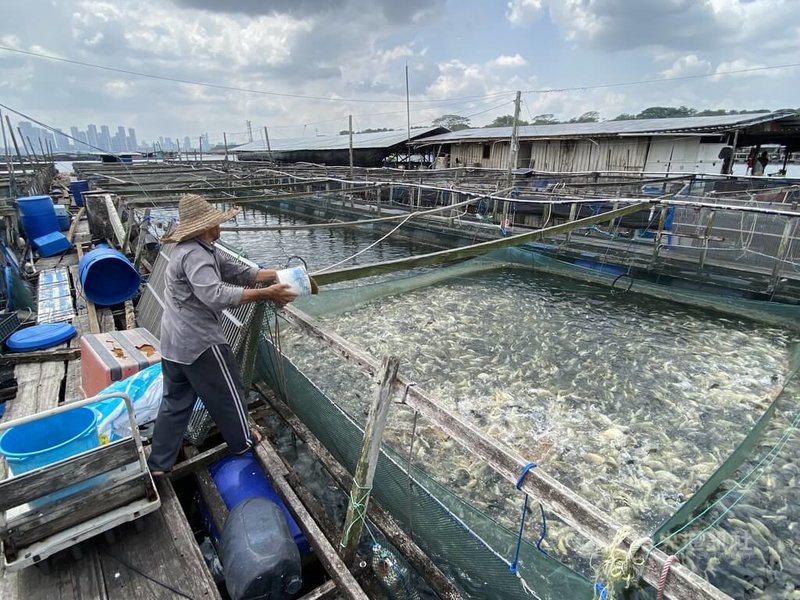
[{"x": 161, "y": 561}]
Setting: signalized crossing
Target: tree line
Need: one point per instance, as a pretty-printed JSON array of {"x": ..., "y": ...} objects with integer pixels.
[{"x": 456, "y": 122}]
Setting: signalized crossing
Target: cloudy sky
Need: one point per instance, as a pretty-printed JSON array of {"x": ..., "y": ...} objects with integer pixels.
[{"x": 310, "y": 63}]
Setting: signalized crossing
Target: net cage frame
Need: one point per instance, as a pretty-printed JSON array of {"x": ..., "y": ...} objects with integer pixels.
[{"x": 239, "y": 328}]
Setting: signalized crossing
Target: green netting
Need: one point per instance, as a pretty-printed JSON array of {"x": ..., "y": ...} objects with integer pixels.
[
  {"x": 467, "y": 544},
  {"x": 729, "y": 467}
]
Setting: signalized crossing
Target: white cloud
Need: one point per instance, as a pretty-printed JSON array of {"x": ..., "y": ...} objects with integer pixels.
[
  {"x": 508, "y": 61},
  {"x": 521, "y": 12},
  {"x": 742, "y": 68},
  {"x": 687, "y": 66},
  {"x": 118, "y": 88}
]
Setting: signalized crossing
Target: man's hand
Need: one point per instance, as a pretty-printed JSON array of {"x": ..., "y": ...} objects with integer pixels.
[
  {"x": 279, "y": 293},
  {"x": 265, "y": 276}
]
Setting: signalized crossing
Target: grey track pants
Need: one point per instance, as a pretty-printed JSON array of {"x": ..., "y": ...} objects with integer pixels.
[{"x": 215, "y": 378}]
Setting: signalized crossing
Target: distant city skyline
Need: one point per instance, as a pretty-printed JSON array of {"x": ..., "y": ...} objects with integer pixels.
[{"x": 32, "y": 139}]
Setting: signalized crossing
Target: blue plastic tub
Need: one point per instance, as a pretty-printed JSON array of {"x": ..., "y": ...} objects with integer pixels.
[
  {"x": 49, "y": 440},
  {"x": 76, "y": 188},
  {"x": 240, "y": 477},
  {"x": 52, "y": 244},
  {"x": 108, "y": 277},
  {"x": 37, "y": 215}
]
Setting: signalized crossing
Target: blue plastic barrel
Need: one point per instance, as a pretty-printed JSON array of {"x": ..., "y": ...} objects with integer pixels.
[
  {"x": 38, "y": 216},
  {"x": 76, "y": 188},
  {"x": 108, "y": 277},
  {"x": 239, "y": 478},
  {"x": 45, "y": 441}
]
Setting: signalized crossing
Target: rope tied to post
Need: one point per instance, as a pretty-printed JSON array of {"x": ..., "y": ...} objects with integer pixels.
[
  {"x": 358, "y": 501},
  {"x": 662, "y": 579},
  {"x": 620, "y": 566}
]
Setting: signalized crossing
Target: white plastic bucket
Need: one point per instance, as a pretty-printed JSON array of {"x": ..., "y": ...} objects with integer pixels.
[{"x": 297, "y": 279}]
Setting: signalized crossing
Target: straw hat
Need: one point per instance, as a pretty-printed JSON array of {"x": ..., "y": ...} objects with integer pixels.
[{"x": 196, "y": 215}]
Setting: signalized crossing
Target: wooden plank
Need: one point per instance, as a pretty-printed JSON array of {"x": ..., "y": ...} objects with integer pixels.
[
  {"x": 72, "y": 384},
  {"x": 74, "y": 225},
  {"x": 581, "y": 515},
  {"x": 130, "y": 315},
  {"x": 368, "y": 459},
  {"x": 198, "y": 461},
  {"x": 60, "y": 354},
  {"x": 117, "y": 491},
  {"x": 106, "y": 318},
  {"x": 38, "y": 389},
  {"x": 418, "y": 560},
  {"x": 165, "y": 550},
  {"x": 326, "y": 590},
  {"x": 209, "y": 492},
  {"x": 68, "y": 579},
  {"x": 34, "y": 484},
  {"x": 94, "y": 323},
  {"x": 444, "y": 256},
  {"x": 345, "y": 582}
]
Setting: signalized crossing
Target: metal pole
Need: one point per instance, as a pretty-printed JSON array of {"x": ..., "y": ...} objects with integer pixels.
[
  {"x": 408, "y": 123},
  {"x": 350, "y": 127}
]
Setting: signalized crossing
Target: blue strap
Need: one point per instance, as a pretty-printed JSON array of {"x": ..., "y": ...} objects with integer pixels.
[{"x": 514, "y": 563}]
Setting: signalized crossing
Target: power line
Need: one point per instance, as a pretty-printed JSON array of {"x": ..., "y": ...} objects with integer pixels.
[
  {"x": 660, "y": 79},
  {"x": 230, "y": 87}
]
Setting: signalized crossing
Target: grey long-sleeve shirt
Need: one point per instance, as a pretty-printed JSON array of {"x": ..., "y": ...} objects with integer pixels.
[{"x": 195, "y": 296}]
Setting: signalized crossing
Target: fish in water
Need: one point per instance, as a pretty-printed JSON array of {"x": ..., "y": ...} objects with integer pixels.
[{"x": 393, "y": 577}]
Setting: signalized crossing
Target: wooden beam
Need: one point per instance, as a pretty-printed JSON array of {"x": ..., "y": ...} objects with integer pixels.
[
  {"x": 74, "y": 225},
  {"x": 61, "y": 354},
  {"x": 419, "y": 561},
  {"x": 94, "y": 322},
  {"x": 209, "y": 492},
  {"x": 581, "y": 515},
  {"x": 345, "y": 582},
  {"x": 197, "y": 462},
  {"x": 368, "y": 460},
  {"x": 444, "y": 256},
  {"x": 326, "y": 590}
]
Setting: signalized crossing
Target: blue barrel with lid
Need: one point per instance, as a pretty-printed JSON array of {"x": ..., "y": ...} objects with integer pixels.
[
  {"x": 38, "y": 216},
  {"x": 40, "y": 337},
  {"x": 76, "y": 188}
]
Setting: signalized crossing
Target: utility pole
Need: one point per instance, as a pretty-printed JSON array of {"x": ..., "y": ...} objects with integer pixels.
[
  {"x": 513, "y": 153},
  {"x": 408, "y": 123},
  {"x": 269, "y": 150},
  {"x": 350, "y": 127},
  {"x": 249, "y": 130}
]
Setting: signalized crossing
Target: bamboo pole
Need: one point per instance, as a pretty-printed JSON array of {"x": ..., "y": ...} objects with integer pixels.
[
  {"x": 368, "y": 461},
  {"x": 444, "y": 256}
]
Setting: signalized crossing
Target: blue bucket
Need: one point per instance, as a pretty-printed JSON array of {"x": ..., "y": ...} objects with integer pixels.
[
  {"x": 76, "y": 188},
  {"x": 38, "y": 216},
  {"x": 49, "y": 440},
  {"x": 108, "y": 277}
]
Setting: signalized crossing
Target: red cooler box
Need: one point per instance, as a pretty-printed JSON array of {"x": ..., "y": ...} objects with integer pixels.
[{"x": 113, "y": 356}]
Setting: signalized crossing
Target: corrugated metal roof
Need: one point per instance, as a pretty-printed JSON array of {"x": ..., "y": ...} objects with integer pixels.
[
  {"x": 613, "y": 128},
  {"x": 380, "y": 139}
]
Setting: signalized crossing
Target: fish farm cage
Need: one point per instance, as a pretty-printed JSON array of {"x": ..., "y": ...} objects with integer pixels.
[{"x": 496, "y": 524}]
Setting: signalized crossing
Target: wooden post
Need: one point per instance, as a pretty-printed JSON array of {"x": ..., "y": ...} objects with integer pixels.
[
  {"x": 140, "y": 240},
  {"x": 706, "y": 235},
  {"x": 368, "y": 461},
  {"x": 661, "y": 220},
  {"x": 573, "y": 211},
  {"x": 14, "y": 140},
  {"x": 350, "y": 128},
  {"x": 269, "y": 149},
  {"x": 177, "y": 141},
  {"x": 200, "y": 144},
  {"x": 225, "y": 141},
  {"x": 781, "y": 253}
]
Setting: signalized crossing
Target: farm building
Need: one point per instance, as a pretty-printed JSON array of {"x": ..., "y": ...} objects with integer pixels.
[
  {"x": 369, "y": 149},
  {"x": 679, "y": 145}
]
